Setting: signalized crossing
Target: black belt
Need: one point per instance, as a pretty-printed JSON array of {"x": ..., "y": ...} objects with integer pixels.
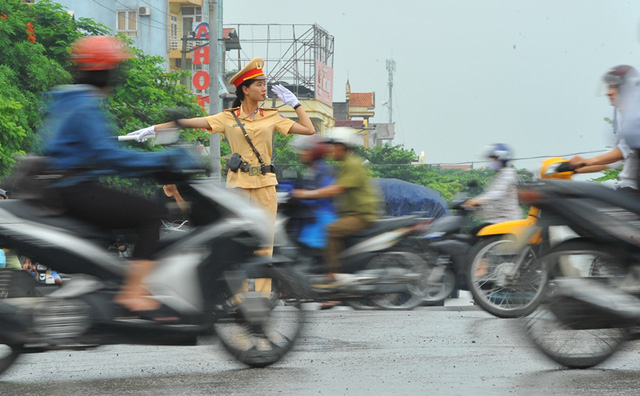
[{"x": 257, "y": 170}]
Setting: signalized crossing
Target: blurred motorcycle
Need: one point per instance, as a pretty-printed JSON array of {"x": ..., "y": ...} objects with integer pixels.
[
  {"x": 389, "y": 274},
  {"x": 197, "y": 279},
  {"x": 593, "y": 296},
  {"x": 503, "y": 272}
]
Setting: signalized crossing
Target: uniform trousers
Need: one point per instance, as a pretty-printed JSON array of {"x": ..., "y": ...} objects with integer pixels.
[{"x": 265, "y": 198}]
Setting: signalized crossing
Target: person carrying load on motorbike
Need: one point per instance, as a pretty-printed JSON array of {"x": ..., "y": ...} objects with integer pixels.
[
  {"x": 318, "y": 213},
  {"x": 356, "y": 201},
  {"x": 622, "y": 91},
  {"x": 499, "y": 201},
  {"x": 82, "y": 148},
  {"x": 249, "y": 128}
]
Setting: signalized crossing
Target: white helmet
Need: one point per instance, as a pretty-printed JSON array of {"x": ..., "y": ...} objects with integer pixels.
[
  {"x": 500, "y": 151},
  {"x": 343, "y": 135}
]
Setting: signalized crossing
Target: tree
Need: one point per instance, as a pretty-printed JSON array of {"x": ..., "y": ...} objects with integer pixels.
[{"x": 34, "y": 41}]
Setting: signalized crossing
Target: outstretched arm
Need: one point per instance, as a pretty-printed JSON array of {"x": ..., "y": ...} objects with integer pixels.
[{"x": 323, "y": 192}]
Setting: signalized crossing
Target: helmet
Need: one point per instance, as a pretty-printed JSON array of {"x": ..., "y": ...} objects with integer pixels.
[
  {"x": 343, "y": 135},
  {"x": 548, "y": 169},
  {"x": 618, "y": 74},
  {"x": 500, "y": 151},
  {"x": 3, "y": 194},
  {"x": 98, "y": 53},
  {"x": 309, "y": 142}
]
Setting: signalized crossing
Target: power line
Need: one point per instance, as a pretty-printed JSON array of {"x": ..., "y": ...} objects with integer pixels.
[
  {"x": 487, "y": 161},
  {"x": 164, "y": 29},
  {"x": 163, "y": 24}
]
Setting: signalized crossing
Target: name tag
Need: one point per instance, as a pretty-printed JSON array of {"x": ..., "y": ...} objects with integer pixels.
[{"x": 236, "y": 125}]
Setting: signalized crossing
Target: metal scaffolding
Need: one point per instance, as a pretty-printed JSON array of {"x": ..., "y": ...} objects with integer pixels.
[{"x": 290, "y": 52}]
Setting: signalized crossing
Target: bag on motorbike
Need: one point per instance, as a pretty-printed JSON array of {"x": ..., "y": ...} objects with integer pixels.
[{"x": 32, "y": 182}]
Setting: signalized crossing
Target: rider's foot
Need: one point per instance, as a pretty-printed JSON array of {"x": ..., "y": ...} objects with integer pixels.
[
  {"x": 136, "y": 302},
  {"x": 336, "y": 280}
]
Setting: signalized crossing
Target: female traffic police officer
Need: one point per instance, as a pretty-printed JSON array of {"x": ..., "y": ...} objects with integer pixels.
[{"x": 255, "y": 176}]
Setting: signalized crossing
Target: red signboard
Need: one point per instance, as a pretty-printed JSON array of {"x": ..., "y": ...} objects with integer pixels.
[{"x": 324, "y": 83}]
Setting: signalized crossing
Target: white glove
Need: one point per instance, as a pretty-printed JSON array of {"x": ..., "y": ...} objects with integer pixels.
[
  {"x": 286, "y": 96},
  {"x": 143, "y": 134}
]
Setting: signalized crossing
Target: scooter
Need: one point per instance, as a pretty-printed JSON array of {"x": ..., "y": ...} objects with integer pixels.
[
  {"x": 388, "y": 273},
  {"x": 197, "y": 279},
  {"x": 502, "y": 271},
  {"x": 588, "y": 312}
]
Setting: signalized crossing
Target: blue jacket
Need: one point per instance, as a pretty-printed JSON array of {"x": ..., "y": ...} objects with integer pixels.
[{"x": 81, "y": 137}]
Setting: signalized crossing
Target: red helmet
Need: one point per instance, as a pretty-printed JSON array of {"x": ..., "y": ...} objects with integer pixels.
[{"x": 98, "y": 53}]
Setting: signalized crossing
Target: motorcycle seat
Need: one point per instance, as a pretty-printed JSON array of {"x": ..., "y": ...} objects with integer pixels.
[
  {"x": 386, "y": 224},
  {"x": 621, "y": 198}
]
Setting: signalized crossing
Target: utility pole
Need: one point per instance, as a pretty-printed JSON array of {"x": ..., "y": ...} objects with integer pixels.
[
  {"x": 214, "y": 100},
  {"x": 183, "y": 60},
  {"x": 391, "y": 68}
]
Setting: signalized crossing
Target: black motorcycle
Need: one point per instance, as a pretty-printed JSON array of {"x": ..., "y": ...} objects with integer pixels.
[
  {"x": 388, "y": 274},
  {"x": 445, "y": 245},
  {"x": 593, "y": 297},
  {"x": 197, "y": 280}
]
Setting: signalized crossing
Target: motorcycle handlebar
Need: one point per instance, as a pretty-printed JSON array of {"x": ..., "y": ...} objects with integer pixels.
[{"x": 565, "y": 167}]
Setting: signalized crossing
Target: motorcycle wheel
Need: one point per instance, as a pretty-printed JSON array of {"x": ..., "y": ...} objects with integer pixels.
[
  {"x": 568, "y": 346},
  {"x": 265, "y": 344},
  {"x": 13, "y": 283},
  {"x": 566, "y": 330},
  {"x": 417, "y": 291},
  {"x": 496, "y": 288},
  {"x": 8, "y": 355},
  {"x": 436, "y": 291}
]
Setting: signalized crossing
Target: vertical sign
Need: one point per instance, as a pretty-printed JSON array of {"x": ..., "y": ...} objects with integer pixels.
[
  {"x": 200, "y": 79},
  {"x": 324, "y": 83}
]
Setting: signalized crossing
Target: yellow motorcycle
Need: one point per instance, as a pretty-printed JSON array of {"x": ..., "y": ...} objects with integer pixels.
[{"x": 505, "y": 277}]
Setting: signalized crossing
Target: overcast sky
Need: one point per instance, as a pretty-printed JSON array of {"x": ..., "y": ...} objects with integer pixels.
[{"x": 473, "y": 72}]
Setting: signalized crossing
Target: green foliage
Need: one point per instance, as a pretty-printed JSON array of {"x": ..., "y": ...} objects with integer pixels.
[
  {"x": 396, "y": 162},
  {"x": 608, "y": 174},
  {"x": 30, "y": 65},
  {"x": 145, "y": 93}
]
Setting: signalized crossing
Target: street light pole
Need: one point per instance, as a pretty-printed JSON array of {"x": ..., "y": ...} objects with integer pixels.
[{"x": 214, "y": 100}]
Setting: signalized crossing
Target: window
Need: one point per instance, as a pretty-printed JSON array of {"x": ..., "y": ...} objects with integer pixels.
[
  {"x": 173, "y": 40},
  {"x": 191, "y": 17},
  {"x": 127, "y": 22}
]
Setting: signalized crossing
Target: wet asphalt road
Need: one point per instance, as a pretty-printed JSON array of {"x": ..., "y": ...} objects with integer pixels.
[{"x": 431, "y": 350}]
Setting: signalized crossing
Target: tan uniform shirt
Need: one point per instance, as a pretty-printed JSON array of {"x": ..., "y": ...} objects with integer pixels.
[{"x": 260, "y": 129}]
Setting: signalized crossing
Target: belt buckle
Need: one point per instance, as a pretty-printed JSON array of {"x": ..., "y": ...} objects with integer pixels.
[{"x": 254, "y": 171}]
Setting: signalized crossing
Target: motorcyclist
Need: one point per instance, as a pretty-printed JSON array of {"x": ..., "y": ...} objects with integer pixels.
[
  {"x": 499, "y": 201},
  {"x": 356, "y": 201},
  {"x": 82, "y": 147},
  {"x": 622, "y": 92},
  {"x": 314, "y": 215}
]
